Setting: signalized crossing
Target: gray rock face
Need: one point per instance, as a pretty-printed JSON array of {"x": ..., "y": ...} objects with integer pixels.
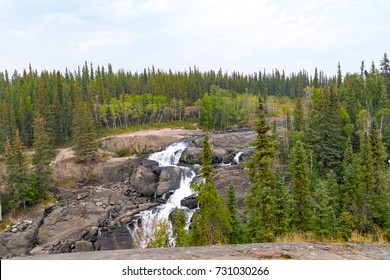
[
  {"x": 191, "y": 202},
  {"x": 117, "y": 239},
  {"x": 113, "y": 171},
  {"x": 65, "y": 225},
  {"x": 235, "y": 175},
  {"x": 191, "y": 156},
  {"x": 19, "y": 244},
  {"x": 217, "y": 154},
  {"x": 169, "y": 179},
  {"x": 144, "y": 176},
  {"x": 224, "y": 147},
  {"x": 266, "y": 251},
  {"x": 91, "y": 217},
  {"x": 83, "y": 246}
]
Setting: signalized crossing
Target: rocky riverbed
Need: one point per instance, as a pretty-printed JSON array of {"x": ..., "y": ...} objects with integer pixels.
[{"x": 96, "y": 201}]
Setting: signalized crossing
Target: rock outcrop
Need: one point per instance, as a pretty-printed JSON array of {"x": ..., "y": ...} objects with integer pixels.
[
  {"x": 18, "y": 241},
  {"x": 116, "y": 239},
  {"x": 145, "y": 141},
  {"x": 169, "y": 180},
  {"x": 191, "y": 202},
  {"x": 224, "y": 147},
  {"x": 263, "y": 251},
  {"x": 235, "y": 175},
  {"x": 98, "y": 199}
]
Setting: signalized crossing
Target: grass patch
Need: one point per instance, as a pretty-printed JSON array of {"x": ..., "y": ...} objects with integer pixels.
[
  {"x": 5, "y": 223},
  {"x": 378, "y": 236},
  {"x": 68, "y": 182}
]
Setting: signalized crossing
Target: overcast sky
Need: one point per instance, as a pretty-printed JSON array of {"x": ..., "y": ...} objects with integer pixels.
[{"x": 241, "y": 35}]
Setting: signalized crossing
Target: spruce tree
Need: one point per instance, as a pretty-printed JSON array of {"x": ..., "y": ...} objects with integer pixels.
[
  {"x": 283, "y": 206},
  {"x": 322, "y": 215},
  {"x": 84, "y": 133},
  {"x": 315, "y": 81},
  {"x": 331, "y": 135},
  {"x": 207, "y": 169},
  {"x": 18, "y": 176},
  {"x": 334, "y": 193},
  {"x": 380, "y": 193},
  {"x": 212, "y": 223},
  {"x": 301, "y": 181},
  {"x": 339, "y": 77},
  {"x": 179, "y": 224},
  {"x": 351, "y": 191},
  {"x": 231, "y": 200},
  {"x": 260, "y": 199},
  {"x": 299, "y": 116},
  {"x": 367, "y": 181},
  {"x": 43, "y": 178}
]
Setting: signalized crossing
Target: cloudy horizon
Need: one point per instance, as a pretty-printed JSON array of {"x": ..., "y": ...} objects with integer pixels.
[{"x": 245, "y": 36}]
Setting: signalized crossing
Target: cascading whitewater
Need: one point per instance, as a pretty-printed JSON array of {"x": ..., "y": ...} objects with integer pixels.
[
  {"x": 237, "y": 157},
  {"x": 145, "y": 222}
]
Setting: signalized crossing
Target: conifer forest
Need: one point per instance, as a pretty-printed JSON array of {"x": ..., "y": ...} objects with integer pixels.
[{"x": 321, "y": 172}]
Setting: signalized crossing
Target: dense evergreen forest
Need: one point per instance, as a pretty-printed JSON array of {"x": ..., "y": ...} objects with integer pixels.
[{"x": 324, "y": 173}]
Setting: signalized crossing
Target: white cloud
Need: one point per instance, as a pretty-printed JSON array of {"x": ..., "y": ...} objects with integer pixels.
[
  {"x": 245, "y": 35},
  {"x": 64, "y": 20}
]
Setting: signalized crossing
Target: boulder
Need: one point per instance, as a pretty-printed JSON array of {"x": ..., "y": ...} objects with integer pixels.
[
  {"x": 190, "y": 202},
  {"x": 191, "y": 156},
  {"x": 83, "y": 246},
  {"x": 117, "y": 239},
  {"x": 144, "y": 177},
  {"x": 228, "y": 158},
  {"x": 169, "y": 179},
  {"x": 217, "y": 154},
  {"x": 113, "y": 170}
]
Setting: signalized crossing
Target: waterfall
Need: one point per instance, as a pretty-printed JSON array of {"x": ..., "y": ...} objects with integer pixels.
[
  {"x": 143, "y": 224},
  {"x": 237, "y": 157}
]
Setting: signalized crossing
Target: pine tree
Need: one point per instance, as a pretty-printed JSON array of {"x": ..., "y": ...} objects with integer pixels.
[
  {"x": 212, "y": 223},
  {"x": 331, "y": 135},
  {"x": 179, "y": 224},
  {"x": 84, "y": 133},
  {"x": 339, "y": 77},
  {"x": 299, "y": 116},
  {"x": 351, "y": 192},
  {"x": 18, "y": 176},
  {"x": 334, "y": 192},
  {"x": 322, "y": 215},
  {"x": 315, "y": 81},
  {"x": 42, "y": 157},
  {"x": 301, "y": 181},
  {"x": 207, "y": 170},
  {"x": 283, "y": 206},
  {"x": 367, "y": 181},
  {"x": 231, "y": 200},
  {"x": 260, "y": 199},
  {"x": 381, "y": 197}
]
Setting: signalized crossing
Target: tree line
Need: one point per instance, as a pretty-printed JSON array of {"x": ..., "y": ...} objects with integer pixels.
[
  {"x": 123, "y": 98},
  {"x": 326, "y": 172},
  {"x": 290, "y": 197}
]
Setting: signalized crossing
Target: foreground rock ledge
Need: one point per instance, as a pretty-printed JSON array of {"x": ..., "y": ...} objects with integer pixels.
[{"x": 297, "y": 251}]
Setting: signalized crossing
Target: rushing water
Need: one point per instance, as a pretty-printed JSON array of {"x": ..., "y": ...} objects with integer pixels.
[
  {"x": 145, "y": 222},
  {"x": 236, "y": 158}
]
